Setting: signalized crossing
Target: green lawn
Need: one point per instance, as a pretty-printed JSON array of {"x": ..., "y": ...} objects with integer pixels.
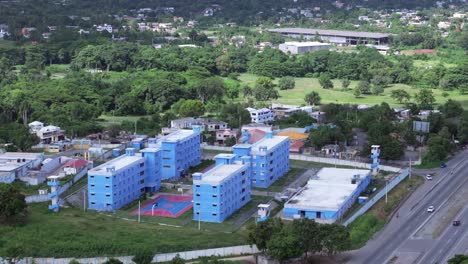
[
  {"x": 282, "y": 182},
  {"x": 73, "y": 233},
  {"x": 336, "y": 95}
]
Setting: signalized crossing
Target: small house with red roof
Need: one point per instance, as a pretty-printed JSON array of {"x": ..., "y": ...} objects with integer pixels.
[{"x": 74, "y": 166}]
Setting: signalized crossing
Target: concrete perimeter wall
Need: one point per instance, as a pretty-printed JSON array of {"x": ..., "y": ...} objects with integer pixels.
[{"x": 187, "y": 255}]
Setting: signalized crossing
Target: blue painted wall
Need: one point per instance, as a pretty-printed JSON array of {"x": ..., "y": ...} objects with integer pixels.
[{"x": 215, "y": 203}]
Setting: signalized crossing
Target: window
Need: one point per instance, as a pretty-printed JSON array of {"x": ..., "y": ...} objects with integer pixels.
[
  {"x": 167, "y": 166},
  {"x": 108, "y": 204},
  {"x": 92, "y": 194},
  {"x": 214, "y": 195},
  {"x": 107, "y": 195},
  {"x": 92, "y": 185},
  {"x": 243, "y": 173},
  {"x": 198, "y": 185},
  {"x": 107, "y": 178},
  {"x": 214, "y": 214},
  {"x": 214, "y": 187},
  {"x": 198, "y": 195},
  {"x": 142, "y": 165},
  {"x": 107, "y": 186},
  {"x": 214, "y": 205},
  {"x": 92, "y": 177},
  {"x": 142, "y": 173},
  {"x": 93, "y": 203},
  {"x": 197, "y": 203}
]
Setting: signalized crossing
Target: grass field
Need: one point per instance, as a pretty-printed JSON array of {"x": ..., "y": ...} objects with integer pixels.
[
  {"x": 74, "y": 233},
  {"x": 281, "y": 183},
  {"x": 336, "y": 95}
]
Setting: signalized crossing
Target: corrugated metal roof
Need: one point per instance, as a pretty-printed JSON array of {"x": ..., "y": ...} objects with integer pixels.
[{"x": 326, "y": 32}]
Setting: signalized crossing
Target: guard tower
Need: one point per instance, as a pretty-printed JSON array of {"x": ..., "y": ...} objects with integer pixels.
[
  {"x": 54, "y": 183},
  {"x": 263, "y": 212},
  {"x": 375, "y": 154}
]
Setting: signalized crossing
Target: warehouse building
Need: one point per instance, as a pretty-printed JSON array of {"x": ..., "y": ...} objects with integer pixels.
[
  {"x": 340, "y": 37},
  {"x": 298, "y": 48},
  {"x": 328, "y": 194},
  {"x": 221, "y": 191}
]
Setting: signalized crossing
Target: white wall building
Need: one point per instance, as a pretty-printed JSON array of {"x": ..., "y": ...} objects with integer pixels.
[
  {"x": 294, "y": 47},
  {"x": 261, "y": 116}
]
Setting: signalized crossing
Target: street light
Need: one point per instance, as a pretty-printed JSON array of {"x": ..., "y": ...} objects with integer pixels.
[{"x": 199, "y": 216}]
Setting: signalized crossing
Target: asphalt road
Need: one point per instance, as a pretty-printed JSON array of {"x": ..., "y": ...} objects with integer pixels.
[
  {"x": 451, "y": 239},
  {"x": 413, "y": 214}
]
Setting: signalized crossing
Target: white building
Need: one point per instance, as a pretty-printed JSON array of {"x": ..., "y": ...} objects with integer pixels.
[
  {"x": 294, "y": 47},
  {"x": 261, "y": 116},
  {"x": 35, "y": 126},
  {"x": 49, "y": 134},
  {"x": 105, "y": 27}
]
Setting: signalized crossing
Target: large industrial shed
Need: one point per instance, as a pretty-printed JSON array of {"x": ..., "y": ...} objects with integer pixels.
[
  {"x": 328, "y": 194},
  {"x": 341, "y": 37}
]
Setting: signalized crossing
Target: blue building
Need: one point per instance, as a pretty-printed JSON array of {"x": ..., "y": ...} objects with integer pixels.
[
  {"x": 328, "y": 195},
  {"x": 117, "y": 182},
  {"x": 180, "y": 150},
  {"x": 269, "y": 158},
  {"x": 222, "y": 190},
  {"x": 124, "y": 179}
]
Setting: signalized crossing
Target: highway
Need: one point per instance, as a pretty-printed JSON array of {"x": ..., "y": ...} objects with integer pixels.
[
  {"x": 397, "y": 235},
  {"x": 451, "y": 239}
]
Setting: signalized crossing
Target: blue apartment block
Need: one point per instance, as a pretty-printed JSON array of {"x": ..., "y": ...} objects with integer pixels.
[
  {"x": 116, "y": 183},
  {"x": 152, "y": 158},
  {"x": 269, "y": 158},
  {"x": 180, "y": 150},
  {"x": 123, "y": 179},
  {"x": 222, "y": 190}
]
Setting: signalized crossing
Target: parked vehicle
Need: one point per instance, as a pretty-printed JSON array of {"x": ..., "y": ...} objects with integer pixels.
[
  {"x": 456, "y": 223},
  {"x": 443, "y": 165},
  {"x": 428, "y": 177}
]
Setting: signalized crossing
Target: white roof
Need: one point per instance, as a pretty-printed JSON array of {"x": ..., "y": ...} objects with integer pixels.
[
  {"x": 270, "y": 143},
  {"x": 328, "y": 190},
  {"x": 220, "y": 173},
  {"x": 118, "y": 163},
  {"x": 50, "y": 128},
  {"x": 36, "y": 123},
  {"x": 305, "y": 44},
  {"x": 178, "y": 135},
  {"x": 20, "y": 155}
]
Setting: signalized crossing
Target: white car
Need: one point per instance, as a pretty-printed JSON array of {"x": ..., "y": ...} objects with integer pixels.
[
  {"x": 428, "y": 177},
  {"x": 430, "y": 209}
]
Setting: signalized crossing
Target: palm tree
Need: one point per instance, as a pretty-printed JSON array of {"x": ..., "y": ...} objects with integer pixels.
[{"x": 312, "y": 98}]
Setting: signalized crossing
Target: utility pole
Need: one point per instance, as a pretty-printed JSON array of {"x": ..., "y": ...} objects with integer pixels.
[
  {"x": 410, "y": 168},
  {"x": 199, "y": 216},
  {"x": 139, "y": 208}
]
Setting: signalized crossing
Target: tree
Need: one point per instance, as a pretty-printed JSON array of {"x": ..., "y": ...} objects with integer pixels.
[
  {"x": 190, "y": 108},
  {"x": 345, "y": 83},
  {"x": 451, "y": 108},
  {"x": 325, "y": 81},
  {"x": 463, "y": 128},
  {"x": 308, "y": 234},
  {"x": 230, "y": 141},
  {"x": 247, "y": 91},
  {"x": 264, "y": 89},
  {"x": 400, "y": 95},
  {"x": 377, "y": 89},
  {"x": 357, "y": 92},
  {"x": 143, "y": 257},
  {"x": 312, "y": 98},
  {"x": 12, "y": 205},
  {"x": 232, "y": 91},
  {"x": 336, "y": 238},
  {"x": 286, "y": 83},
  {"x": 364, "y": 87},
  {"x": 425, "y": 98},
  {"x": 323, "y": 135},
  {"x": 458, "y": 259},
  {"x": 211, "y": 88},
  {"x": 113, "y": 261},
  {"x": 439, "y": 146},
  {"x": 235, "y": 115},
  {"x": 262, "y": 232},
  {"x": 283, "y": 245}
]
